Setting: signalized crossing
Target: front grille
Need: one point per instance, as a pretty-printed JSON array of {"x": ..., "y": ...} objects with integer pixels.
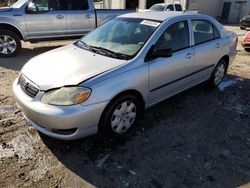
[{"x": 28, "y": 87}]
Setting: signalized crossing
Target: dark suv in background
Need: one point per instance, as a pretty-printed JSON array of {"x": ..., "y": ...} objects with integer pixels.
[{"x": 245, "y": 22}]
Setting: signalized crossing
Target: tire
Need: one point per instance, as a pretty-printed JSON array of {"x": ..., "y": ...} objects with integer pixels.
[
  {"x": 118, "y": 120},
  {"x": 10, "y": 44},
  {"x": 247, "y": 49},
  {"x": 218, "y": 74},
  {"x": 242, "y": 28}
]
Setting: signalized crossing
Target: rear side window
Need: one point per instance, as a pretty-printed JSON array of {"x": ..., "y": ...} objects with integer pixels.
[
  {"x": 204, "y": 31},
  {"x": 178, "y": 8},
  {"x": 175, "y": 37},
  {"x": 76, "y": 4},
  {"x": 170, "y": 7}
]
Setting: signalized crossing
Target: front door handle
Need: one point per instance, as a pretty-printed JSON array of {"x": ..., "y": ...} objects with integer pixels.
[
  {"x": 88, "y": 16},
  {"x": 189, "y": 55},
  {"x": 59, "y": 17}
]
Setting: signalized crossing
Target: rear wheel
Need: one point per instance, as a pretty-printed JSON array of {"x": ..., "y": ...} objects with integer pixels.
[
  {"x": 10, "y": 44},
  {"x": 121, "y": 115},
  {"x": 218, "y": 73}
]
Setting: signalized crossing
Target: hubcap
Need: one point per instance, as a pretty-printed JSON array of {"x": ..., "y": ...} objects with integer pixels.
[
  {"x": 219, "y": 74},
  {"x": 7, "y": 44},
  {"x": 123, "y": 117}
]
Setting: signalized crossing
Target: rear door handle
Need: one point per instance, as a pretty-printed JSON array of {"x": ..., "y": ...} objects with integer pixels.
[
  {"x": 189, "y": 55},
  {"x": 217, "y": 45},
  {"x": 59, "y": 17},
  {"x": 88, "y": 16}
]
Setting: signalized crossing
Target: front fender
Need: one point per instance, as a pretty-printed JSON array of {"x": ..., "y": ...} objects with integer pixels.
[
  {"x": 16, "y": 24},
  {"x": 106, "y": 90}
]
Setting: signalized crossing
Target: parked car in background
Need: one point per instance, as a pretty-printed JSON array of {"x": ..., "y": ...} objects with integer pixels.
[
  {"x": 104, "y": 81},
  {"x": 245, "y": 22},
  {"x": 40, "y": 20},
  {"x": 3, "y": 3},
  {"x": 246, "y": 42},
  {"x": 166, "y": 7}
]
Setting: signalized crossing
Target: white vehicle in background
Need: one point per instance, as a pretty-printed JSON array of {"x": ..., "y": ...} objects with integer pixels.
[{"x": 166, "y": 7}]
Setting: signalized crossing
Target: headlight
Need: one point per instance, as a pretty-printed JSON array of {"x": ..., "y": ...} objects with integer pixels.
[{"x": 66, "y": 96}]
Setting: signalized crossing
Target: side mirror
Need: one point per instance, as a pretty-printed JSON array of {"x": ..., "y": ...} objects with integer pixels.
[
  {"x": 156, "y": 53},
  {"x": 31, "y": 8}
]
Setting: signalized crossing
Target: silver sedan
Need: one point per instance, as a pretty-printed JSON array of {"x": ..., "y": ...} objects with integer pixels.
[{"x": 103, "y": 82}]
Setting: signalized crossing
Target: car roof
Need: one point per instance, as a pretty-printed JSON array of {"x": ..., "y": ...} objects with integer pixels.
[
  {"x": 157, "y": 15},
  {"x": 164, "y": 4}
]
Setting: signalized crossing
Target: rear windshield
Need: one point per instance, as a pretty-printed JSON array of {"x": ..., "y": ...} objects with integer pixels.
[
  {"x": 19, "y": 3},
  {"x": 157, "y": 8}
]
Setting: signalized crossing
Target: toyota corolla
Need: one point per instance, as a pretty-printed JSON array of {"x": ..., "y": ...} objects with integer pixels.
[{"x": 103, "y": 82}]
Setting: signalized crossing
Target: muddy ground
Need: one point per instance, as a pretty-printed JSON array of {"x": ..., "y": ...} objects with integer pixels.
[{"x": 200, "y": 138}]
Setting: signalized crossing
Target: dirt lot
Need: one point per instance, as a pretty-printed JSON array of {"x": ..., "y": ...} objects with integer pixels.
[{"x": 200, "y": 138}]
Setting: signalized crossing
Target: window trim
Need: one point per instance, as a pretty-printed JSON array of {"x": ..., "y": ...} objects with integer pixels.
[{"x": 214, "y": 28}]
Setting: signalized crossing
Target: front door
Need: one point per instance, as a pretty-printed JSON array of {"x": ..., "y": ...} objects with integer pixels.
[
  {"x": 80, "y": 19},
  {"x": 47, "y": 21},
  {"x": 170, "y": 75}
]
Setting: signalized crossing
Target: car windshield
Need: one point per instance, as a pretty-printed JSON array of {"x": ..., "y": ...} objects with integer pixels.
[
  {"x": 120, "y": 38},
  {"x": 157, "y": 8},
  {"x": 19, "y": 3}
]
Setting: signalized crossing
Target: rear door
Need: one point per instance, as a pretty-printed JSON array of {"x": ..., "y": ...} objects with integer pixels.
[
  {"x": 80, "y": 17},
  {"x": 47, "y": 21},
  {"x": 207, "y": 46},
  {"x": 178, "y": 7},
  {"x": 170, "y": 75}
]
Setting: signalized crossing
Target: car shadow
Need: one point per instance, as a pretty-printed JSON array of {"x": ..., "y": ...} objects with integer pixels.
[
  {"x": 199, "y": 138},
  {"x": 16, "y": 63}
]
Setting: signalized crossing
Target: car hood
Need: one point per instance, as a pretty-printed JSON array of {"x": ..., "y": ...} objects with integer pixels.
[
  {"x": 69, "y": 65},
  {"x": 5, "y": 9},
  {"x": 247, "y": 17}
]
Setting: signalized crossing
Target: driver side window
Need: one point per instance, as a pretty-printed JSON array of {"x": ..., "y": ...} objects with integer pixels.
[{"x": 175, "y": 37}]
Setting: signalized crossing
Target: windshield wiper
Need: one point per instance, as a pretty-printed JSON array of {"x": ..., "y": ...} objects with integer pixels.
[
  {"x": 82, "y": 44},
  {"x": 110, "y": 53}
]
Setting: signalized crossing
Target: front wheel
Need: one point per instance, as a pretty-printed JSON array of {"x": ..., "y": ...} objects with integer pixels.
[
  {"x": 10, "y": 44},
  {"x": 218, "y": 73},
  {"x": 121, "y": 115},
  {"x": 242, "y": 28}
]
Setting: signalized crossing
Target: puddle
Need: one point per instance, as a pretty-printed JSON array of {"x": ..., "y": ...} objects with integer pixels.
[{"x": 228, "y": 83}]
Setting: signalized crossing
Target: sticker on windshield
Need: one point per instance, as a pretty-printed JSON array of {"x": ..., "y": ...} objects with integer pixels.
[{"x": 150, "y": 23}]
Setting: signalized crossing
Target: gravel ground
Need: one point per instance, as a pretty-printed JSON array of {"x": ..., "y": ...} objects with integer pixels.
[{"x": 199, "y": 138}]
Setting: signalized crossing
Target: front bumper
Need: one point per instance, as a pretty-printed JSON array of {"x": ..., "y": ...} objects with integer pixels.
[
  {"x": 245, "y": 23},
  {"x": 50, "y": 119},
  {"x": 246, "y": 44}
]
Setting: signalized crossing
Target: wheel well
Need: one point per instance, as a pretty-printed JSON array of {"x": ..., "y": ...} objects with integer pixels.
[
  {"x": 226, "y": 59},
  {"x": 131, "y": 92},
  {"x": 11, "y": 28}
]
